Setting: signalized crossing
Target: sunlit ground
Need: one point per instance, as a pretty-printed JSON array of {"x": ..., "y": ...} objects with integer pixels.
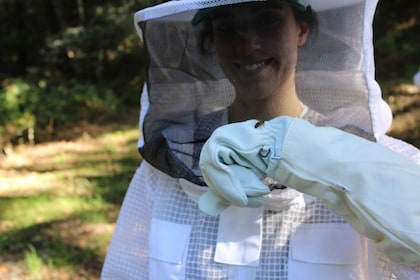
[
  {"x": 59, "y": 202},
  {"x": 404, "y": 101}
]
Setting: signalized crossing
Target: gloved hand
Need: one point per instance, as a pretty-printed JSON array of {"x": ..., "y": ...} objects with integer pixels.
[
  {"x": 374, "y": 189},
  {"x": 235, "y": 159},
  {"x": 247, "y": 191}
]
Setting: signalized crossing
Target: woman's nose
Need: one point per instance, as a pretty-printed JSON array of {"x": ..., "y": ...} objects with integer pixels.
[{"x": 248, "y": 39}]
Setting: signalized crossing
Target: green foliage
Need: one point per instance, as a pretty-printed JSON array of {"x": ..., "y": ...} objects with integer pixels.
[
  {"x": 26, "y": 105},
  {"x": 17, "y": 103},
  {"x": 62, "y": 61},
  {"x": 33, "y": 262},
  {"x": 397, "y": 41},
  {"x": 17, "y": 99}
]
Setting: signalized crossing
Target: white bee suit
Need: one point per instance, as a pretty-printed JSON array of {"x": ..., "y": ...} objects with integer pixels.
[{"x": 301, "y": 231}]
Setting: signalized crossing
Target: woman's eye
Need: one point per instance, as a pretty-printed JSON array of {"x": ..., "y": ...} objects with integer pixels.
[
  {"x": 268, "y": 21},
  {"x": 224, "y": 26}
]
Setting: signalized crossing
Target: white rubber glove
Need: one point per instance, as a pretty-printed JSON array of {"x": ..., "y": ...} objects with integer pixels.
[{"x": 376, "y": 190}]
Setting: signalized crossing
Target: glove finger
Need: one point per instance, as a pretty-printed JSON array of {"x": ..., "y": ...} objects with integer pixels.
[
  {"x": 250, "y": 181},
  {"x": 255, "y": 188},
  {"x": 225, "y": 183},
  {"x": 211, "y": 204}
]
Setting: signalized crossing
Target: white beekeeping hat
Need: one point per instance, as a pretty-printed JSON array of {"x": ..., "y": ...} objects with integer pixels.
[{"x": 335, "y": 76}]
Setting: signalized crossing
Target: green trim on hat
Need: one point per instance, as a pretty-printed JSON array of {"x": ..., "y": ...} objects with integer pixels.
[{"x": 203, "y": 13}]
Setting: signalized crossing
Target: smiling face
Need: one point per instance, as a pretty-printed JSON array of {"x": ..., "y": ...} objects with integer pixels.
[{"x": 256, "y": 45}]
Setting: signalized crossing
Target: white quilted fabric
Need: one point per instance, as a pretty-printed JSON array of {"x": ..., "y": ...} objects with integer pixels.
[{"x": 160, "y": 232}]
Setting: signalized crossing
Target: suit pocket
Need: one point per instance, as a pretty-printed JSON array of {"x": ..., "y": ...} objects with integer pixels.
[
  {"x": 168, "y": 245},
  {"x": 325, "y": 251}
]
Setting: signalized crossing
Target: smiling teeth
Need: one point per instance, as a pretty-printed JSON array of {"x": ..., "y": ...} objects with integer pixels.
[{"x": 253, "y": 67}]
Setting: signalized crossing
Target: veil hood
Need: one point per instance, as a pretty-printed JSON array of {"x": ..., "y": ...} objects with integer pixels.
[{"x": 335, "y": 77}]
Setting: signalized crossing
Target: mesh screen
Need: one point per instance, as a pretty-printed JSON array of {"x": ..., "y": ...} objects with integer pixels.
[{"x": 186, "y": 87}]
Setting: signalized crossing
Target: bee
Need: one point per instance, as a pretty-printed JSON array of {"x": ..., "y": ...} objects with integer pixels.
[
  {"x": 259, "y": 123},
  {"x": 276, "y": 186}
]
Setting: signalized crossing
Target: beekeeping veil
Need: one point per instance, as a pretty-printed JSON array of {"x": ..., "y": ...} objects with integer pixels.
[{"x": 335, "y": 76}]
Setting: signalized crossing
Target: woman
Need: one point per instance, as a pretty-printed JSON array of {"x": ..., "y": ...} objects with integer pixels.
[
  {"x": 322, "y": 194},
  {"x": 256, "y": 45}
]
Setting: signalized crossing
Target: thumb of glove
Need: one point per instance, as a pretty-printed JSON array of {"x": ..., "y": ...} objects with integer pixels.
[
  {"x": 249, "y": 192},
  {"x": 211, "y": 204}
]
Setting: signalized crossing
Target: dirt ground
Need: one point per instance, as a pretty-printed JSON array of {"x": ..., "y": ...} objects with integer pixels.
[{"x": 404, "y": 101}]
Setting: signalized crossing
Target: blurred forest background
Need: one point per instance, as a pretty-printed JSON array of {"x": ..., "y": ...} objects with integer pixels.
[
  {"x": 62, "y": 61},
  {"x": 70, "y": 77}
]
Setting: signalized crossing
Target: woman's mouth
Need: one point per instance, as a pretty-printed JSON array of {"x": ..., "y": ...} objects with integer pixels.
[{"x": 254, "y": 66}]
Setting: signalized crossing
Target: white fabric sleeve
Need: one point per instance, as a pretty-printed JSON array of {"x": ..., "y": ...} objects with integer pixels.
[{"x": 376, "y": 190}]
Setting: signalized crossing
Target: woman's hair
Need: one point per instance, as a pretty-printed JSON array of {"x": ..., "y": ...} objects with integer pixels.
[{"x": 205, "y": 39}]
